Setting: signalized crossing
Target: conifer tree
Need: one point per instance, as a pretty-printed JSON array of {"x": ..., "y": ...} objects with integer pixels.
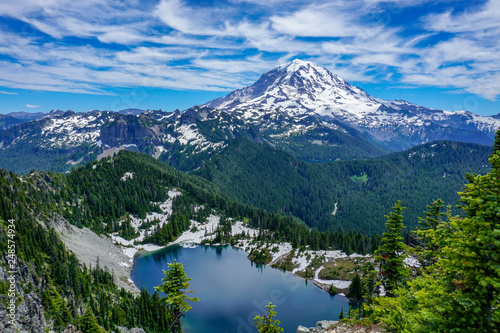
[
  {"x": 474, "y": 250},
  {"x": 332, "y": 291},
  {"x": 174, "y": 286},
  {"x": 341, "y": 315},
  {"x": 88, "y": 322},
  {"x": 266, "y": 323},
  {"x": 369, "y": 288},
  {"x": 355, "y": 289},
  {"x": 391, "y": 253},
  {"x": 425, "y": 248}
]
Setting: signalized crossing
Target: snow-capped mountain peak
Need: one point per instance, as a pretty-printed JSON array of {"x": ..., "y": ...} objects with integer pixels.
[
  {"x": 299, "y": 87},
  {"x": 304, "y": 88}
]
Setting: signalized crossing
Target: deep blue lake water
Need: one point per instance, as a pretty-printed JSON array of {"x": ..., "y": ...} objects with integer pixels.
[{"x": 232, "y": 290}]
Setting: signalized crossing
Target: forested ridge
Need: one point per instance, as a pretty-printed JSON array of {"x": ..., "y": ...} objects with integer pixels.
[
  {"x": 104, "y": 197},
  {"x": 359, "y": 192},
  {"x": 69, "y": 291}
]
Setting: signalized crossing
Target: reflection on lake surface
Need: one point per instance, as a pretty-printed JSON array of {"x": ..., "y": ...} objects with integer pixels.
[{"x": 232, "y": 290}]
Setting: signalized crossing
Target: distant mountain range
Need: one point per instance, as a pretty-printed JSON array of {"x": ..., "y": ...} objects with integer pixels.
[
  {"x": 299, "y": 108},
  {"x": 15, "y": 118}
]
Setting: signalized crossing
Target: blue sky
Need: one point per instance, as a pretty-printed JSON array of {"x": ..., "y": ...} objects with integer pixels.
[{"x": 172, "y": 54}]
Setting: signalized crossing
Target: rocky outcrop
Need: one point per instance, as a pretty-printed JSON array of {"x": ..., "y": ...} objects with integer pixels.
[
  {"x": 131, "y": 130},
  {"x": 90, "y": 247},
  {"x": 132, "y": 330},
  {"x": 28, "y": 314},
  {"x": 71, "y": 329},
  {"x": 330, "y": 326}
]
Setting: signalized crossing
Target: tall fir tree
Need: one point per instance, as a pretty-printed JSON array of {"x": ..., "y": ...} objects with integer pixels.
[
  {"x": 474, "y": 250},
  {"x": 174, "y": 286},
  {"x": 355, "y": 289},
  {"x": 88, "y": 322},
  {"x": 424, "y": 248},
  {"x": 341, "y": 314},
  {"x": 392, "y": 252}
]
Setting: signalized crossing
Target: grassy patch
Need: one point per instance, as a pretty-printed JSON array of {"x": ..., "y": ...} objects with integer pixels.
[
  {"x": 342, "y": 269},
  {"x": 316, "y": 262}
]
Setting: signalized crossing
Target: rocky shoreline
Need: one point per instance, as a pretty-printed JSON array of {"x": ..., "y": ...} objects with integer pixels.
[{"x": 330, "y": 326}]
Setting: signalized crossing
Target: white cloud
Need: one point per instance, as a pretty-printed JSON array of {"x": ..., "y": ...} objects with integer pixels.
[
  {"x": 32, "y": 106},
  {"x": 176, "y": 15},
  {"x": 314, "y": 22},
  {"x": 188, "y": 45},
  {"x": 484, "y": 19},
  {"x": 7, "y": 93}
]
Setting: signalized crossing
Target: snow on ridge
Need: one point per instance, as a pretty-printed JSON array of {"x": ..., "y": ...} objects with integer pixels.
[
  {"x": 71, "y": 130},
  {"x": 130, "y": 249},
  {"x": 158, "y": 151},
  {"x": 127, "y": 175}
]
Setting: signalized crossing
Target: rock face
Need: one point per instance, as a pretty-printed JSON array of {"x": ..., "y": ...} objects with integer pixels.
[
  {"x": 130, "y": 130},
  {"x": 29, "y": 315},
  {"x": 330, "y": 326},
  {"x": 71, "y": 329}
]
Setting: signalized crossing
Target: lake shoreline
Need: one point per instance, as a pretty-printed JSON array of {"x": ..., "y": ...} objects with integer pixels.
[
  {"x": 301, "y": 260},
  {"x": 232, "y": 290}
]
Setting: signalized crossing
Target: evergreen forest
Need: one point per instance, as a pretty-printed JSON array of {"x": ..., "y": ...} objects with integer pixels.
[{"x": 345, "y": 195}]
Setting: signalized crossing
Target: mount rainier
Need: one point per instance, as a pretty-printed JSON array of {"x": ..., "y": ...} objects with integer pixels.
[
  {"x": 300, "y": 108},
  {"x": 304, "y": 88}
]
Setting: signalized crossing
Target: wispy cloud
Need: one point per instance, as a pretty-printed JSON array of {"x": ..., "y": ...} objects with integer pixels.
[
  {"x": 7, "y": 93},
  {"x": 93, "y": 46},
  {"x": 32, "y": 106}
]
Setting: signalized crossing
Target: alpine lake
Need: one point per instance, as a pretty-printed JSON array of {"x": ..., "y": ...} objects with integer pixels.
[{"x": 232, "y": 290}]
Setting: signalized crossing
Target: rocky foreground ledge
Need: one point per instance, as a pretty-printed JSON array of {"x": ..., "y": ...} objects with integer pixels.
[{"x": 330, "y": 326}]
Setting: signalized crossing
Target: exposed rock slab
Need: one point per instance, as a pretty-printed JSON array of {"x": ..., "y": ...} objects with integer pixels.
[{"x": 88, "y": 247}]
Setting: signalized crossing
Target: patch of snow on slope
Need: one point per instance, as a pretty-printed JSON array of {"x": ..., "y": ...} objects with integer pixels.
[
  {"x": 73, "y": 130},
  {"x": 158, "y": 151},
  {"x": 129, "y": 245},
  {"x": 188, "y": 133},
  {"x": 189, "y": 237},
  {"x": 127, "y": 175}
]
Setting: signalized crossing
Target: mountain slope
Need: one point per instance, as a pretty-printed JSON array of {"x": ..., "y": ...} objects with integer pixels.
[
  {"x": 345, "y": 194},
  {"x": 7, "y": 121},
  {"x": 63, "y": 141},
  {"x": 52, "y": 289},
  {"x": 302, "y": 87}
]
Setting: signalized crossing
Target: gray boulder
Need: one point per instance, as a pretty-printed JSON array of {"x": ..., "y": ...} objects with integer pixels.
[{"x": 325, "y": 324}]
